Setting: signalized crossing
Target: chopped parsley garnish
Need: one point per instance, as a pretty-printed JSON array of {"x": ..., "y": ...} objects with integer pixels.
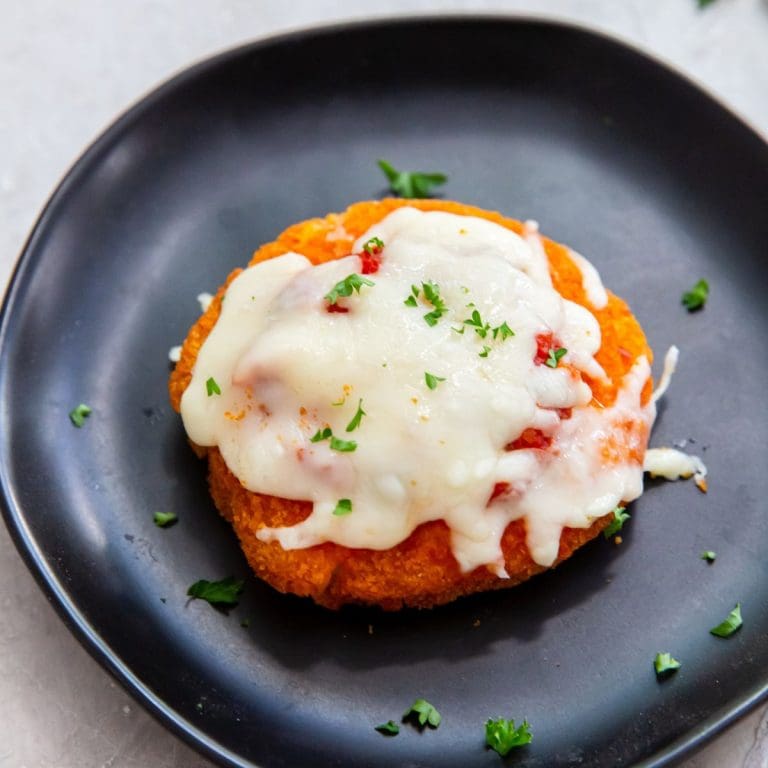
[
  {"x": 732, "y": 622},
  {"x": 320, "y": 435},
  {"x": 211, "y": 387},
  {"x": 343, "y": 446},
  {"x": 704, "y": 3},
  {"x": 79, "y": 414},
  {"x": 665, "y": 665},
  {"x": 339, "y": 402},
  {"x": 357, "y": 418},
  {"x": 697, "y": 296},
  {"x": 374, "y": 244},
  {"x": 476, "y": 322},
  {"x": 554, "y": 356},
  {"x": 411, "y": 183},
  {"x": 502, "y": 736},
  {"x": 411, "y": 300},
  {"x": 709, "y": 556},
  {"x": 390, "y": 728},
  {"x": 432, "y": 295},
  {"x": 432, "y": 380},
  {"x": 620, "y": 516},
  {"x": 164, "y": 519},
  {"x": 503, "y": 330},
  {"x": 222, "y": 592},
  {"x": 351, "y": 283},
  {"x": 486, "y": 350},
  {"x": 425, "y": 713},
  {"x": 343, "y": 507}
]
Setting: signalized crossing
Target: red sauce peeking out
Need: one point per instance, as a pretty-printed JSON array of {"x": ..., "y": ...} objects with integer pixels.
[
  {"x": 544, "y": 342},
  {"x": 336, "y": 308},
  {"x": 370, "y": 259},
  {"x": 500, "y": 489},
  {"x": 530, "y": 438}
]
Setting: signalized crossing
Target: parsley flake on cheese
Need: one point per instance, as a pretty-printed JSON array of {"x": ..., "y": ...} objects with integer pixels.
[
  {"x": 503, "y": 330},
  {"x": 374, "y": 244},
  {"x": 357, "y": 418},
  {"x": 554, "y": 356},
  {"x": 432, "y": 380},
  {"x": 320, "y": 435},
  {"x": 346, "y": 287},
  {"x": 343, "y": 507}
]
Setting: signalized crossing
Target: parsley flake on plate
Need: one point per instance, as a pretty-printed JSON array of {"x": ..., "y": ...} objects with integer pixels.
[
  {"x": 346, "y": 287},
  {"x": 665, "y": 665},
  {"x": 79, "y": 414},
  {"x": 424, "y": 712},
  {"x": 411, "y": 183},
  {"x": 484, "y": 353},
  {"x": 343, "y": 507},
  {"x": 211, "y": 387},
  {"x": 620, "y": 516},
  {"x": 709, "y": 556},
  {"x": 730, "y": 624},
  {"x": 502, "y": 736},
  {"x": 222, "y": 592},
  {"x": 554, "y": 356},
  {"x": 696, "y": 297},
  {"x": 357, "y": 418},
  {"x": 390, "y": 728},
  {"x": 432, "y": 380},
  {"x": 164, "y": 519}
]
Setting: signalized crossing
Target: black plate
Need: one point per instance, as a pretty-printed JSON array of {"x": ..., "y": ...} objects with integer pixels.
[{"x": 613, "y": 154}]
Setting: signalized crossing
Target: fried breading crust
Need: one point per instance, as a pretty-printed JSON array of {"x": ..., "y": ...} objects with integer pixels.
[{"x": 420, "y": 571}]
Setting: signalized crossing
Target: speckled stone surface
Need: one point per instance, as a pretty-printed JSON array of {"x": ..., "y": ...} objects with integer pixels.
[{"x": 66, "y": 70}]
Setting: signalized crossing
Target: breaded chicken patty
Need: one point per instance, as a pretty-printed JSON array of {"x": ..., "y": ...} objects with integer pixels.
[{"x": 420, "y": 571}]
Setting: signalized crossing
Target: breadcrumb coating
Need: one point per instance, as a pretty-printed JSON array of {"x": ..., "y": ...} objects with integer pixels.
[{"x": 420, "y": 571}]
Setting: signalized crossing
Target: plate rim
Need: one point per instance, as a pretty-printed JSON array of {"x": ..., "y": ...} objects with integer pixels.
[{"x": 15, "y": 521}]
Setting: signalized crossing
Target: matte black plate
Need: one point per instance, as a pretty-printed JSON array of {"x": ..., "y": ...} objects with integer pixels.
[{"x": 613, "y": 154}]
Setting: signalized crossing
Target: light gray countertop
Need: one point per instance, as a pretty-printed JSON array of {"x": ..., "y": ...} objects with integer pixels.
[{"x": 67, "y": 69}]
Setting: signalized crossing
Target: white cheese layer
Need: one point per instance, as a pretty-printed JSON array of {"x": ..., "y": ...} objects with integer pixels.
[{"x": 287, "y": 367}]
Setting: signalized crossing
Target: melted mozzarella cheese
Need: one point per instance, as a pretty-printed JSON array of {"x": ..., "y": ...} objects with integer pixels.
[
  {"x": 590, "y": 281},
  {"x": 287, "y": 367},
  {"x": 672, "y": 464}
]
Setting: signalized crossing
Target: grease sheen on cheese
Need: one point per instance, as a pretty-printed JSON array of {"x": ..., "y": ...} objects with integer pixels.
[{"x": 284, "y": 363}]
